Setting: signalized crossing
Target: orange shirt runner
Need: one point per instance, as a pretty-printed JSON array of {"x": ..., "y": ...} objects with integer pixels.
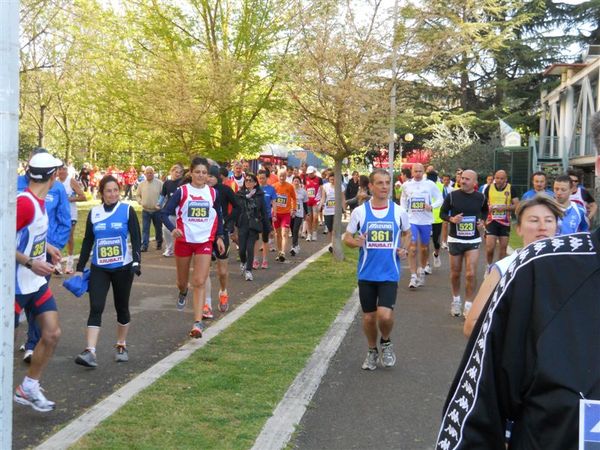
[{"x": 285, "y": 199}]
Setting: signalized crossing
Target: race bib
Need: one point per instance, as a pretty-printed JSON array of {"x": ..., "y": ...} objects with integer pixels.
[
  {"x": 499, "y": 215},
  {"x": 311, "y": 192},
  {"x": 417, "y": 204},
  {"x": 198, "y": 210},
  {"x": 109, "y": 250},
  {"x": 38, "y": 249},
  {"x": 467, "y": 227},
  {"x": 380, "y": 235},
  {"x": 330, "y": 203},
  {"x": 281, "y": 201}
]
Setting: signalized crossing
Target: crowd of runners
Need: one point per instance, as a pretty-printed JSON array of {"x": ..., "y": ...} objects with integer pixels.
[{"x": 201, "y": 210}]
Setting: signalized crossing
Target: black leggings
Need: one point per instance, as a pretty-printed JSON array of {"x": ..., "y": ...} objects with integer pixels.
[
  {"x": 296, "y": 224},
  {"x": 436, "y": 231},
  {"x": 100, "y": 281},
  {"x": 246, "y": 240}
]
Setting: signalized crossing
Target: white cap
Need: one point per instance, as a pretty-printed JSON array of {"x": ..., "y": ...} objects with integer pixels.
[
  {"x": 310, "y": 169},
  {"x": 42, "y": 165}
]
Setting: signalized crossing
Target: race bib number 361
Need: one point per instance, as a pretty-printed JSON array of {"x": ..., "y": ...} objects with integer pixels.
[
  {"x": 380, "y": 235},
  {"x": 109, "y": 250},
  {"x": 198, "y": 210}
]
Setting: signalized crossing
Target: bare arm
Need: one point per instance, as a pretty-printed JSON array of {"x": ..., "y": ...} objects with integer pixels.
[
  {"x": 485, "y": 290},
  {"x": 80, "y": 197}
]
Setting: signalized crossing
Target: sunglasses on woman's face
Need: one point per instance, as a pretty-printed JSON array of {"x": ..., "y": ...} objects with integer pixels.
[
  {"x": 574, "y": 180},
  {"x": 249, "y": 180}
]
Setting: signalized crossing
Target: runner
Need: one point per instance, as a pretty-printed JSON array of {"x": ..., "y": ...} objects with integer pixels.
[
  {"x": 327, "y": 206},
  {"x": 574, "y": 219},
  {"x": 263, "y": 243},
  {"x": 109, "y": 229},
  {"x": 436, "y": 226},
  {"x": 301, "y": 210},
  {"x": 419, "y": 197},
  {"x": 74, "y": 194},
  {"x": 198, "y": 222},
  {"x": 539, "y": 182},
  {"x": 238, "y": 175},
  {"x": 252, "y": 219},
  {"x": 32, "y": 292},
  {"x": 229, "y": 210},
  {"x": 465, "y": 210},
  {"x": 285, "y": 208},
  {"x": 313, "y": 185},
  {"x": 168, "y": 189},
  {"x": 581, "y": 195},
  {"x": 502, "y": 200},
  {"x": 447, "y": 188},
  {"x": 375, "y": 228}
]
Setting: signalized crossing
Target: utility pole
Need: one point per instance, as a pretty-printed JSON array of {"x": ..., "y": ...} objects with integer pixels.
[
  {"x": 9, "y": 123},
  {"x": 393, "y": 100}
]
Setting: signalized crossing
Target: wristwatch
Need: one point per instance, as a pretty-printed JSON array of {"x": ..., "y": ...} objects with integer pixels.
[{"x": 29, "y": 263}]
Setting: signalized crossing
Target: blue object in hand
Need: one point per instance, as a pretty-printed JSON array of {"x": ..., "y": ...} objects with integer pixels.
[{"x": 79, "y": 284}]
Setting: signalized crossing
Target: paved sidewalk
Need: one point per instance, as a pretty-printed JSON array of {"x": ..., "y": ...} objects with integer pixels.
[
  {"x": 157, "y": 329},
  {"x": 396, "y": 408}
]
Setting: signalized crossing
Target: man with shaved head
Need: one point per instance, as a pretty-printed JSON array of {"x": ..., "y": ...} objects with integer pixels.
[
  {"x": 465, "y": 209},
  {"x": 502, "y": 200},
  {"x": 419, "y": 197}
]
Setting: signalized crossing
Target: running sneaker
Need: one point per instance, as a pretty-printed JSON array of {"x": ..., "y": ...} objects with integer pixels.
[
  {"x": 314, "y": 236},
  {"x": 414, "y": 282},
  {"x": 308, "y": 237},
  {"x": 242, "y": 268},
  {"x": 325, "y": 230},
  {"x": 121, "y": 353},
  {"x": 181, "y": 300},
  {"x": 58, "y": 269},
  {"x": 168, "y": 254},
  {"x": 207, "y": 312},
  {"x": 87, "y": 359},
  {"x": 388, "y": 357},
  {"x": 427, "y": 270},
  {"x": 467, "y": 308},
  {"x": 421, "y": 277},
  {"x": 27, "y": 356},
  {"x": 437, "y": 261},
  {"x": 255, "y": 264},
  {"x": 248, "y": 276},
  {"x": 223, "y": 302},
  {"x": 197, "y": 329},
  {"x": 370, "y": 362},
  {"x": 444, "y": 245},
  {"x": 456, "y": 308},
  {"x": 293, "y": 251},
  {"x": 34, "y": 398},
  {"x": 280, "y": 258},
  {"x": 264, "y": 265}
]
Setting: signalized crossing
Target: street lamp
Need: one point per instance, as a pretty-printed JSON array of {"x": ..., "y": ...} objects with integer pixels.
[{"x": 408, "y": 137}]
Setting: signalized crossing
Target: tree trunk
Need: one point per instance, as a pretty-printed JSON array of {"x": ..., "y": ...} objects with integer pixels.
[
  {"x": 338, "y": 251},
  {"x": 41, "y": 126}
]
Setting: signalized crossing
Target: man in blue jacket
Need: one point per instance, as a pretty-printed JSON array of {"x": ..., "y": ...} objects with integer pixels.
[{"x": 59, "y": 228}]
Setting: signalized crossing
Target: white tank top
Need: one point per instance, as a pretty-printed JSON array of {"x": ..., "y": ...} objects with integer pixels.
[
  {"x": 196, "y": 216},
  {"x": 329, "y": 205},
  {"x": 31, "y": 241}
]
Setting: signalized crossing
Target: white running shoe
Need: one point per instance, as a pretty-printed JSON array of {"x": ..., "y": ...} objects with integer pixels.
[
  {"x": 427, "y": 270},
  {"x": 444, "y": 245},
  {"x": 421, "y": 277},
  {"x": 437, "y": 261},
  {"x": 467, "y": 308},
  {"x": 34, "y": 398},
  {"x": 248, "y": 276},
  {"x": 456, "y": 308},
  {"x": 414, "y": 282},
  {"x": 314, "y": 236},
  {"x": 370, "y": 362},
  {"x": 69, "y": 268},
  {"x": 308, "y": 237}
]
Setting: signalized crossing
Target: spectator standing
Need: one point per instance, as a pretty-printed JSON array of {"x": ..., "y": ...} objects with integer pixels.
[
  {"x": 148, "y": 195},
  {"x": 130, "y": 178}
]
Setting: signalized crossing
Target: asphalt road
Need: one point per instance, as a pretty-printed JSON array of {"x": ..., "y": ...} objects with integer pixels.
[
  {"x": 392, "y": 408},
  {"x": 157, "y": 329}
]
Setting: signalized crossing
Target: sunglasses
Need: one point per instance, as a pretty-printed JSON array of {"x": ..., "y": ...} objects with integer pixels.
[
  {"x": 249, "y": 180},
  {"x": 574, "y": 180}
]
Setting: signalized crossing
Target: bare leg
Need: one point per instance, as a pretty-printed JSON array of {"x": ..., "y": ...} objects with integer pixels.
[
  {"x": 471, "y": 258},
  {"x": 370, "y": 328},
  {"x": 44, "y": 349},
  {"x": 455, "y": 269},
  {"x": 199, "y": 275},
  {"x": 183, "y": 272},
  {"x": 490, "y": 245},
  {"x": 385, "y": 320},
  {"x": 503, "y": 246}
]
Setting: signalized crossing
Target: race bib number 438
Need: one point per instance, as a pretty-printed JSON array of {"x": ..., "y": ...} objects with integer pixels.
[
  {"x": 380, "y": 235},
  {"x": 417, "y": 204},
  {"x": 198, "y": 210}
]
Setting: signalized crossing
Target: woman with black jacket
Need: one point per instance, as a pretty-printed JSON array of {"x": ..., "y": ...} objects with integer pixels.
[{"x": 251, "y": 220}]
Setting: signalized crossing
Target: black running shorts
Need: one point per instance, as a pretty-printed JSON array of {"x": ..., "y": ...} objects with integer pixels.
[
  {"x": 373, "y": 294},
  {"x": 225, "y": 255},
  {"x": 497, "y": 229},
  {"x": 459, "y": 248}
]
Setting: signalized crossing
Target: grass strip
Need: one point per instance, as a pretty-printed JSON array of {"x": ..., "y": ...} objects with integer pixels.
[{"x": 224, "y": 393}]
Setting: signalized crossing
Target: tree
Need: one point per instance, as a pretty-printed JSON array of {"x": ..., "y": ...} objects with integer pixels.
[{"x": 336, "y": 86}]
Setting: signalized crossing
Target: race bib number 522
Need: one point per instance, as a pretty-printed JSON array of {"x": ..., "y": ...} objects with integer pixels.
[{"x": 380, "y": 235}]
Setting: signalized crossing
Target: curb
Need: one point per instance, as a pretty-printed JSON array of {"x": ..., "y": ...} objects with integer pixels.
[{"x": 86, "y": 422}]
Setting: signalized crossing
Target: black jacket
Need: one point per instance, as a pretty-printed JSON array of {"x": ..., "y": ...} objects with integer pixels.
[
  {"x": 534, "y": 353},
  {"x": 252, "y": 212},
  {"x": 226, "y": 198}
]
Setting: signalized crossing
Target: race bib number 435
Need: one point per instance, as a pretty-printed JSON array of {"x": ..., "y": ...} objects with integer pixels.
[
  {"x": 198, "y": 210},
  {"x": 380, "y": 235}
]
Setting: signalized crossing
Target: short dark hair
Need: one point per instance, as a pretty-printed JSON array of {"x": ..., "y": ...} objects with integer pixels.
[
  {"x": 223, "y": 172},
  {"x": 539, "y": 200},
  {"x": 564, "y": 178},
  {"x": 537, "y": 174},
  {"x": 575, "y": 173},
  {"x": 251, "y": 175},
  {"x": 199, "y": 161},
  {"x": 378, "y": 172}
]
